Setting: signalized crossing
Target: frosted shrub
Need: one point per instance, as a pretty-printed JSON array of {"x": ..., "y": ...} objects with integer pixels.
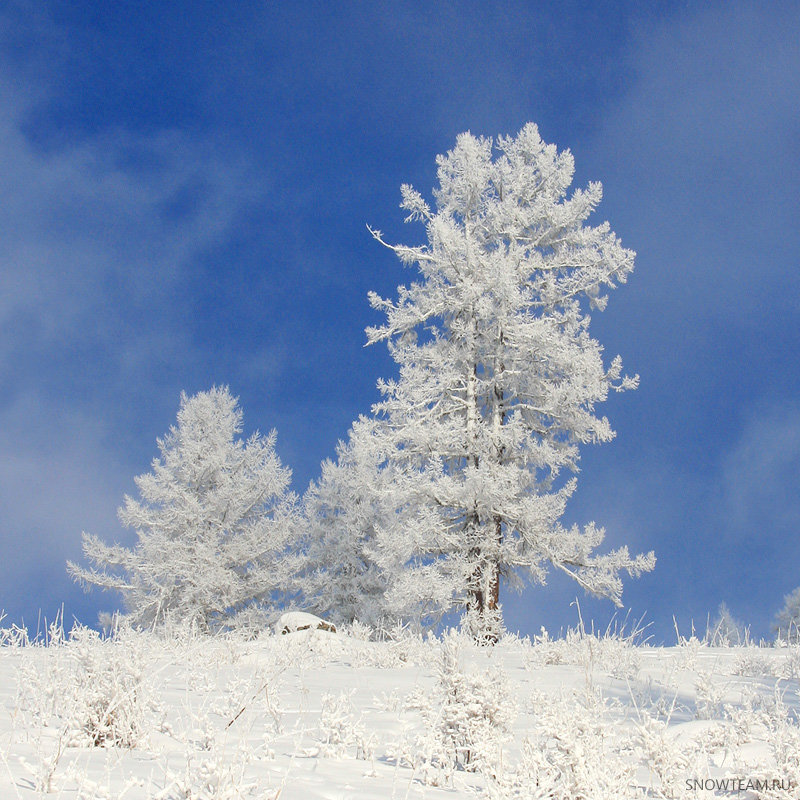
[
  {"x": 339, "y": 730},
  {"x": 485, "y": 626},
  {"x": 467, "y": 721},
  {"x": 615, "y": 653},
  {"x": 783, "y": 739},
  {"x": 655, "y": 697},
  {"x": 48, "y": 755},
  {"x": 791, "y": 666},
  {"x": 398, "y": 647},
  {"x": 477, "y": 710},
  {"x": 753, "y": 663},
  {"x": 573, "y": 752},
  {"x": 93, "y": 687},
  {"x": 667, "y": 761},
  {"x": 211, "y": 778},
  {"x": 710, "y": 694},
  {"x": 688, "y": 652},
  {"x": 409, "y": 647},
  {"x": 360, "y": 631},
  {"x": 621, "y": 659},
  {"x": 545, "y": 650},
  {"x": 15, "y": 636},
  {"x": 108, "y": 703},
  {"x": 310, "y": 648}
]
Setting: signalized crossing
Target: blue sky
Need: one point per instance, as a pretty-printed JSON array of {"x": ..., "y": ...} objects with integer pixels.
[{"x": 185, "y": 193}]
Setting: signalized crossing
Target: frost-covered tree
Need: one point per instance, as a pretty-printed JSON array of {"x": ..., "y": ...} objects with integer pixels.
[
  {"x": 342, "y": 511},
  {"x": 787, "y": 620},
  {"x": 725, "y": 630},
  {"x": 499, "y": 377},
  {"x": 212, "y": 525}
]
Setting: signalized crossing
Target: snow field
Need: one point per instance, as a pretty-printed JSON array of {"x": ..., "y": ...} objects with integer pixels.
[{"x": 320, "y": 715}]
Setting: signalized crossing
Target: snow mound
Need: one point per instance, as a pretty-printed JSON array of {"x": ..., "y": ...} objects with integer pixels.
[{"x": 294, "y": 621}]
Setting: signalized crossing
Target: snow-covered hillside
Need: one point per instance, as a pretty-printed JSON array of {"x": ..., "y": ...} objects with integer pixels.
[{"x": 314, "y": 714}]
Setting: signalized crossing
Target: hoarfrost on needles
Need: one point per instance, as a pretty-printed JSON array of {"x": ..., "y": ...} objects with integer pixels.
[
  {"x": 498, "y": 383},
  {"x": 213, "y": 524}
]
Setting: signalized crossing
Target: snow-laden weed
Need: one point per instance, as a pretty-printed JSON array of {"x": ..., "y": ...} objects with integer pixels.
[
  {"x": 667, "y": 759},
  {"x": 791, "y": 664},
  {"x": 340, "y": 731},
  {"x": 613, "y": 651},
  {"x": 14, "y": 636},
  {"x": 50, "y": 748},
  {"x": 93, "y": 688},
  {"x": 211, "y": 777},
  {"x": 783, "y": 740},
  {"x": 755, "y": 662},
  {"x": 656, "y": 697},
  {"x": 710, "y": 695},
  {"x": 573, "y": 751}
]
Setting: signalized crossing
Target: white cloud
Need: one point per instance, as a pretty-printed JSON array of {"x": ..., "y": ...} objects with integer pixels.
[
  {"x": 760, "y": 476},
  {"x": 120, "y": 214}
]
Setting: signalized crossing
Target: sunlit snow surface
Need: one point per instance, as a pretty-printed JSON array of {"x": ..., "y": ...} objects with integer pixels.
[{"x": 322, "y": 715}]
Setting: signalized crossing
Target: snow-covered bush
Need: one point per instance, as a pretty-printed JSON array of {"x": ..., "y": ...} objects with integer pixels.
[
  {"x": 791, "y": 664},
  {"x": 689, "y": 650},
  {"x": 613, "y": 651},
  {"x": 783, "y": 740},
  {"x": 93, "y": 688},
  {"x": 710, "y": 694},
  {"x": 665, "y": 757},
  {"x": 14, "y": 636},
  {"x": 467, "y": 718},
  {"x": 477, "y": 710},
  {"x": 485, "y": 626},
  {"x": 573, "y": 752},
  {"x": 340, "y": 731},
  {"x": 212, "y": 777},
  {"x": 754, "y": 662},
  {"x": 397, "y": 647}
]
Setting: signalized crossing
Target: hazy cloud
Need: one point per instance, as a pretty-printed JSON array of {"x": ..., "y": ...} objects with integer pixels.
[{"x": 761, "y": 478}]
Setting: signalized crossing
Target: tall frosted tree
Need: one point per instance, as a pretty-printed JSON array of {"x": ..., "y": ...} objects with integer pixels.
[
  {"x": 213, "y": 523},
  {"x": 499, "y": 378}
]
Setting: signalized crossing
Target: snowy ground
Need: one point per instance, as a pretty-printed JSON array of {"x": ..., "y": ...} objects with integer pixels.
[{"x": 321, "y": 715}]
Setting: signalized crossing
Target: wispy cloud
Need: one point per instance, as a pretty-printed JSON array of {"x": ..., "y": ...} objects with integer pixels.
[
  {"x": 702, "y": 152},
  {"x": 116, "y": 218},
  {"x": 760, "y": 482}
]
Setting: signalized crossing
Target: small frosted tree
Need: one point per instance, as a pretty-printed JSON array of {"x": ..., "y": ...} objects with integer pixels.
[
  {"x": 787, "y": 620},
  {"x": 725, "y": 630},
  {"x": 499, "y": 377},
  {"x": 213, "y": 523}
]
